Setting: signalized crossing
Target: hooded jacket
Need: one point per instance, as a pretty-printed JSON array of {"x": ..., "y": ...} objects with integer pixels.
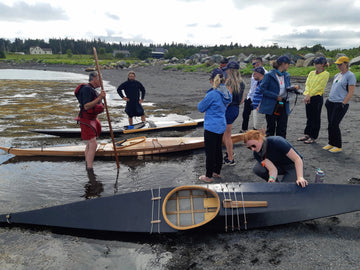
[{"x": 214, "y": 105}]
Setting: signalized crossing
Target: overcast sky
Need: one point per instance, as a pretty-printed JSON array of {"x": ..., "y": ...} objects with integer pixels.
[{"x": 331, "y": 23}]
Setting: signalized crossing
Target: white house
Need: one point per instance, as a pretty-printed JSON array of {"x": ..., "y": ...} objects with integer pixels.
[{"x": 38, "y": 50}]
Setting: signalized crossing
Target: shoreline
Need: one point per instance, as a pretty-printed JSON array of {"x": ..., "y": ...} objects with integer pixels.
[{"x": 331, "y": 243}]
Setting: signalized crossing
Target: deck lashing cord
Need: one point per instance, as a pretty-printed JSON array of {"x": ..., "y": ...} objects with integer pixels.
[
  {"x": 232, "y": 209},
  {"x": 152, "y": 210},
  {"x": 237, "y": 210},
  {"x": 242, "y": 197},
  {"x": 222, "y": 189}
]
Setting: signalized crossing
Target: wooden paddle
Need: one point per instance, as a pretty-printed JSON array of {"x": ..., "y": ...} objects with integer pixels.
[{"x": 106, "y": 107}]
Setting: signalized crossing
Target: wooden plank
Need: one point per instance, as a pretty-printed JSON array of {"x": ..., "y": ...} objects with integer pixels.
[
  {"x": 211, "y": 202},
  {"x": 238, "y": 204}
]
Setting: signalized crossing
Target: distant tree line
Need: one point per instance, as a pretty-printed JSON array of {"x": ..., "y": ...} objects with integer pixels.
[{"x": 140, "y": 51}]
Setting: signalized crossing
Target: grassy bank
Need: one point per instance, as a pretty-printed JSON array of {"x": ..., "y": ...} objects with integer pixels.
[{"x": 88, "y": 60}]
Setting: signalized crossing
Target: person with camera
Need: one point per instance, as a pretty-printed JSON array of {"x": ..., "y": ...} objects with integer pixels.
[
  {"x": 275, "y": 103},
  {"x": 314, "y": 89}
]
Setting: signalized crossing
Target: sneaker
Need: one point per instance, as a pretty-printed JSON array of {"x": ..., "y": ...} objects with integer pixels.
[
  {"x": 328, "y": 147},
  {"x": 226, "y": 156},
  {"x": 229, "y": 162},
  {"x": 335, "y": 150}
]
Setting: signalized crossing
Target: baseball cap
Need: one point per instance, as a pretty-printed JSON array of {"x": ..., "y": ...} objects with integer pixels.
[
  {"x": 259, "y": 70},
  {"x": 342, "y": 59},
  {"x": 215, "y": 72},
  {"x": 283, "y": 59},
  {"x": 232, "y": 64},
  {"x": 320, "y": 60}
]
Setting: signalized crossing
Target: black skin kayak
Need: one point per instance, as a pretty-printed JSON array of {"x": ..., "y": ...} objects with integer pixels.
[
  {"x": 213, "y": 207},
  {"x": 148, "y": 126}
]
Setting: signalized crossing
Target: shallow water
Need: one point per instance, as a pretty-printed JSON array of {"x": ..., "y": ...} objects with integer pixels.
[{"x": 32, "y": 183}]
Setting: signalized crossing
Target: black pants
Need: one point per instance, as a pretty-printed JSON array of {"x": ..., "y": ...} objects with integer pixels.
[
  {"x": 335, "y": 113},
  {"x": 276, "y": 123},
  {"x": 213, "y": 151},
  {"x": 288, "y": 172},
  {"x": 313, "y": 116},
  {"x": 246, "y": 113}
]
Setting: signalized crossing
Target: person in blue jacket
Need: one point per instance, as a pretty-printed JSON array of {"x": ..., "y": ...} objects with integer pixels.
[
  {"x": 214, "y": 105},
  {"x": 275, "y": 103}
]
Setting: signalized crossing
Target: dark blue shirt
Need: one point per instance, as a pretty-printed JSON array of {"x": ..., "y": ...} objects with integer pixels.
[
  {"x": 132, "y": 89},
  {"x": 276, "y": 151}
]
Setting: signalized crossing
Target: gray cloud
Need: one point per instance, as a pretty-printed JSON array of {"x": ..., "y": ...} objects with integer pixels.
[
  {"x": 22, "y": 11},
  {"x": 308, "y": 12},
  {"x": 328, "y": 39},
  {"x": 112, "y": 16},
  {"x": 217, "y": 25},
  {"x": 320, "y": 13}
]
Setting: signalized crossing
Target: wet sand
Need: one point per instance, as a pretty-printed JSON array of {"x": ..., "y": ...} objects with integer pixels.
[{"x": 328, "y": 243}]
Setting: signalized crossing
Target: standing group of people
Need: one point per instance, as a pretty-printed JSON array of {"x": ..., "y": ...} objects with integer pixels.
[{"x": 268, "y": 99}]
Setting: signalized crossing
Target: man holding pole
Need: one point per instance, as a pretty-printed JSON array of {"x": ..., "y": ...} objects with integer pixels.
[{"x": 90, "y": 106}]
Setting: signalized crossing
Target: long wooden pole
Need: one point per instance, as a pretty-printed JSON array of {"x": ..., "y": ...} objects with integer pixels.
[{"x": 106, "y": 107}]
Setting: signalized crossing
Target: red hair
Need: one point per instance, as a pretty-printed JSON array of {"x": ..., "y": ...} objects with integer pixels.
[{"x": 254, "y": 135}]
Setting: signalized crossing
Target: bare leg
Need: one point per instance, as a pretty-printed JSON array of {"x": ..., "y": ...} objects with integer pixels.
[
  {"x": 228, "y": 142},
  {"x": 90, "y": 151},
  {"x": 130, "y": 121}
]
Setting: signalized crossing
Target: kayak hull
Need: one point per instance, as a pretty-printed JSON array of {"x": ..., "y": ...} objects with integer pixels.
[
  {"x": 213, "y": 207},
  {"x": 141, "y": 127},
  {"x": 139, "y": 146}
]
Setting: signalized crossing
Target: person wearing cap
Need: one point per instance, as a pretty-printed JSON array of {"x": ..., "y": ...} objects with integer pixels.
[
  {"x": 133, "y": 92},
  {"x": 223, "y": 63},
  {"x": 214, "y": 105},
  {"x": 248, "y": 107},
  {"x": 337, "y": 103},
  {"x": 236, "y": 86},
  {"x": 258, "y": 118},
  {"x": 314, "y": 89},
  {"x": 90, "y": 106},
  {"x": 275, "y": 103}
]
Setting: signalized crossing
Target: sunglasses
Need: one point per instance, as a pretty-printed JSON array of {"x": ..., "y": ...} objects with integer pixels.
[
  {"x": 252, "y": 146},
  {"x": 255, "y": 63}
]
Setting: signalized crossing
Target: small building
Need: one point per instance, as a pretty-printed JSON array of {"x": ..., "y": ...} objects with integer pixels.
[
  {"x": 122, "y": 52},
  {"x": 158, "y": 53},
  {"x": 38, "y": 50}
]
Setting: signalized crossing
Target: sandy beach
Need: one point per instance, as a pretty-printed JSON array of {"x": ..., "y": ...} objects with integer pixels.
[{"x": 327, "y": 243}]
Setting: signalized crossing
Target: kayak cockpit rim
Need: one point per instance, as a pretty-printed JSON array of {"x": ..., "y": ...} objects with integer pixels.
[{"x": 188, "y": 207}]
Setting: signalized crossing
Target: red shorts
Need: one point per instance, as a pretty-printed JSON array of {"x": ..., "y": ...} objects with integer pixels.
[{"x": 89, "y": 128}]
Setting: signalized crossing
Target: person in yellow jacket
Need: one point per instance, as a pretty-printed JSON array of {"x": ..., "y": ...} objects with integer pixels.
[{"x": 314, "y": 90}]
